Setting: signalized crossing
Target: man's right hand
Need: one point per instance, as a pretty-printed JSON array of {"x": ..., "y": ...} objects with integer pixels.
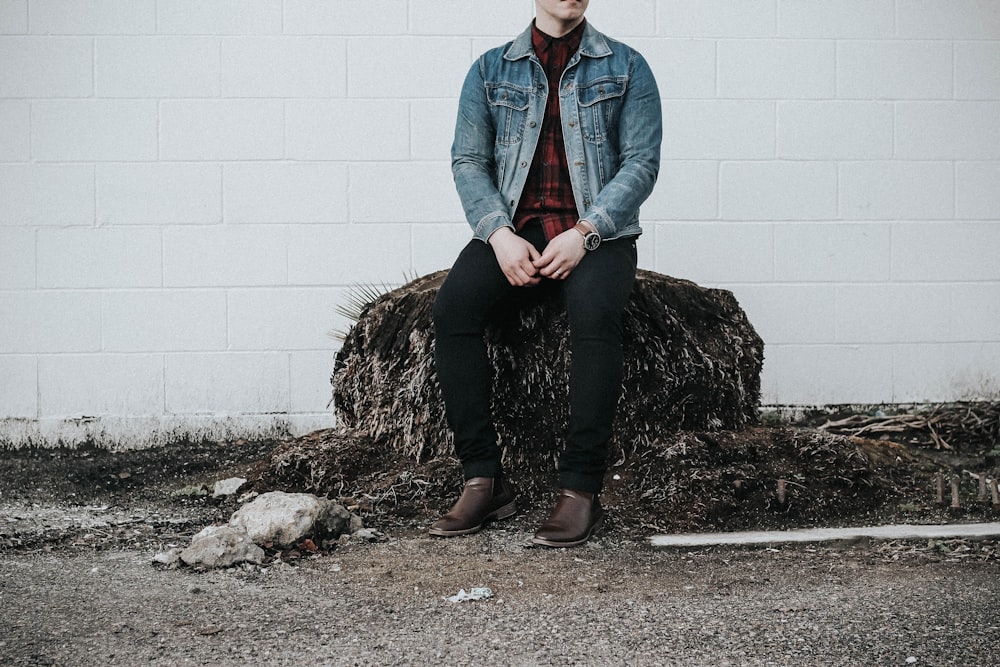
[{"x": 515, "y": 257}]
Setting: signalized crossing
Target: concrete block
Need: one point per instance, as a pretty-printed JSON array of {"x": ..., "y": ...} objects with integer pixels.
[
  {"x": 836, "y": 18},
  {"x": 433, "y": 67},
  {"x": 436, "y": 246},
  {"x": 299, "y": 318},
  {"x": 92, "y": 385},
  {"x": 17, "y": 258},
  {"x": 13, "y": 17},
  {"x": 46, "y": 67},
  {"x": 50, "y": 321},
  {"x": 99, "y": 257},
  {"x": 219, "y": 17},
  {"x": 93, "y": 17},
  {"x": 345, "y": 255},
  {"x": 94, "y": 130},
  {"x": 718, "y": 129},
  {"x": 227, "y": 382},
  {"x": 833, "y": 252},
  {"x": 778, "y": 190},
  {"x": 891, "y": 190},
  {"x": 636, "y": 18},
  {"x": 285, "y": 192},
  {"x": 14, "y": 131},
  {"x": 977, "y": 190},
  {"x": 159, "y": 193},
  {"x": 221, "y": 130},
  {"x": 43, "y": 194},
  {"x": 372, "y": 17},
  {"x": 948, "y": 19},
  {"x": 881, "y": 313},
  {"x": 785, "y": 314},
  {"x": 352, "y": 130},
  {"x": 827, "y": 374},
  {"x": 503, "y": 19},
  {"x": 946, "y": 372},
  {"x": 157, "y": 67},
  {"x": 945, "y": 251},
  {"x": 717, "y": 18},
  {"x": 164, "y": 320},
  {"x": 283, "y": 67},
  {"x": 926, "y": 251},
  {"x": 19, "y": 389},
  {"x": 419, "y": 192},
  {"x": 975, "y": 313},
  {"x": 432, "y": 128},
  {"x": 787, "y": 69},
  {"x": 685, "y": 190},
  {"x": 684, "y": 68},
  {"x": 716, "y": 252},
  {"x": 977, "y": 70},
  {"x": 894, "y": 70},
  {"x": 225, "y": 255},
  {"x": 311, "y": 391},
  {"x": 38, "y": 194},
  {"x": 834, "y": 130}
]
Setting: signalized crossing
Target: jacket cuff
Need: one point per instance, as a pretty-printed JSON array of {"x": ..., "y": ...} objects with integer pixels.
[{"x": 489, "y": 224}]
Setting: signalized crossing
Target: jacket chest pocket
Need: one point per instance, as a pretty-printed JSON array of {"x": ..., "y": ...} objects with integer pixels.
[
  {"x": 600, "y": 104},
  {"x": 509, "y": 106}
]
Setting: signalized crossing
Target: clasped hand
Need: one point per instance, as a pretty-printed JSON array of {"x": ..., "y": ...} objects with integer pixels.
[{"x": 523, "y": 265}]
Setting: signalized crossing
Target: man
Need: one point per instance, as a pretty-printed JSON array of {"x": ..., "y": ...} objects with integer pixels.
[{"x": 557, "y": 144}]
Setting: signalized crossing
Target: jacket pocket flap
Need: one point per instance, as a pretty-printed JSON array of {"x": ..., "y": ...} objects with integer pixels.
[
  {"x": 601, "y": 89},
  {"x": 506, "y": 95}
]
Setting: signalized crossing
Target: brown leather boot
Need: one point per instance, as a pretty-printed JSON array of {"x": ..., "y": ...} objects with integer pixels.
[
  {"x": 483, "y": 499},
  {"x": 575, "y": 518}
]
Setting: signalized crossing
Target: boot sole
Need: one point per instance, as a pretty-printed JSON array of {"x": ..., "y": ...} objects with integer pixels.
[
  {"x": 498, "y": 514},
  {"x": 538, "y": 541}
]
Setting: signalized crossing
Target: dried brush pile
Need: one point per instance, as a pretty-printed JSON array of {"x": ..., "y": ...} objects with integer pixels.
[
  {"x": 951, "y": 426},
  {"x": 692, "y": 361}
]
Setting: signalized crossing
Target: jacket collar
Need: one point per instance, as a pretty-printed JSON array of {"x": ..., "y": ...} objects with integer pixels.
[{"x": 592, "y": 44}]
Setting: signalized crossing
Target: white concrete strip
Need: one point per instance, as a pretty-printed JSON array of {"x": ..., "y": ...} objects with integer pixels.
[{"x": 897, "y": 532}]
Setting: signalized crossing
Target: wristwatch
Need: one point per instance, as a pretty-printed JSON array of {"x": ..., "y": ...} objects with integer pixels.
[{"x": 591, "y": 240}]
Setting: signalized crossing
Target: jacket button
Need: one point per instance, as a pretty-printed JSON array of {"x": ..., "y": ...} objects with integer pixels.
[
  {"x": 531, "y": 124},
  {"x": 523, "y": 163}
]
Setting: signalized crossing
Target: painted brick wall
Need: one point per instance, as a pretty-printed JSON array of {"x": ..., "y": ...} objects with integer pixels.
[{"x": 189, "y": 188}]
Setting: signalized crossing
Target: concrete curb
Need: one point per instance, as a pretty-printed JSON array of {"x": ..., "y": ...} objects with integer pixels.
[{"x": 894, "y": 532}]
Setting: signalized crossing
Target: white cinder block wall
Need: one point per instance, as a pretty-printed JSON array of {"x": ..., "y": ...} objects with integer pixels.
[{"x": 189, "y": 188}]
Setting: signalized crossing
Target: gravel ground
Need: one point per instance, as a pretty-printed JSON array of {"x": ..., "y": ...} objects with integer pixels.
[
  {"x": 608, "y": 603},
  {"x": 78, "y": 531}
]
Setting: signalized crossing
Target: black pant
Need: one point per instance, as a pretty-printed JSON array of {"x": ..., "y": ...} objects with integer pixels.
[{"x": 595, "y": 294}]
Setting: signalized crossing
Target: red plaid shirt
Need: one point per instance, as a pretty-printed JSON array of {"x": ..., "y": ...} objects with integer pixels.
[{"x": 548, "y": 193}]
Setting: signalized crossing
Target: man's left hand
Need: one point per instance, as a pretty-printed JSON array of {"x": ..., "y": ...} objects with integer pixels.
[{"x": 561, "y": 255}]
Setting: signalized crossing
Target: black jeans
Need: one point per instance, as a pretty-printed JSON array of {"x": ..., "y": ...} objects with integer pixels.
[{"x": 595, "y": 294}]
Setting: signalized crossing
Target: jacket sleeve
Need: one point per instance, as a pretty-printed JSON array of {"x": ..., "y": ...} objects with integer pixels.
[
  {"x": 640, "y": 133},
  {"x": 473, "y": 164}
]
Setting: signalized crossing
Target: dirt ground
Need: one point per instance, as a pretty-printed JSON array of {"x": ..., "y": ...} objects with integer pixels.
[{"x": 79, "y": 529}]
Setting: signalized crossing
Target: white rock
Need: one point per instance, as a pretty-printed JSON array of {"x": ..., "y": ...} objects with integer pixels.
[
  {"x": 285, "y": 518},
  {"x": 228, "y": 487},
  {"x": 168, "y": 558},
  {"x": 222, "y": 546}
]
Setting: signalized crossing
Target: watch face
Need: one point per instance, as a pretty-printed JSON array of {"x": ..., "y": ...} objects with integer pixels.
[{"x": 591, "y": 241}]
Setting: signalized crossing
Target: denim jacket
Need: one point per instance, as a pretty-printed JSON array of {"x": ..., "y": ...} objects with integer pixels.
[{"x": 610, "y": 111}]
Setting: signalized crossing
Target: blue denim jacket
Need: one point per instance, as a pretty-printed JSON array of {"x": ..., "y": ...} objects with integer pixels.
[{"x": 610, "y": 110}]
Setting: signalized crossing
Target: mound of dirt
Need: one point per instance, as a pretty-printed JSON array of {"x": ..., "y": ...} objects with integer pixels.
[{"x": 776, "y": 477}]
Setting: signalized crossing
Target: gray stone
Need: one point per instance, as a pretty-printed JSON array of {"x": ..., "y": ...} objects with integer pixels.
[
  {"x": 285, "y": 518},
  {"x": 227, "y": 487},
  {"x": 222, "y": 546}
]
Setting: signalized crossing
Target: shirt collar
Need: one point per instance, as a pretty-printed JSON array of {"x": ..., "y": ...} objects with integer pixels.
[{"x": 541, "y": 41}]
